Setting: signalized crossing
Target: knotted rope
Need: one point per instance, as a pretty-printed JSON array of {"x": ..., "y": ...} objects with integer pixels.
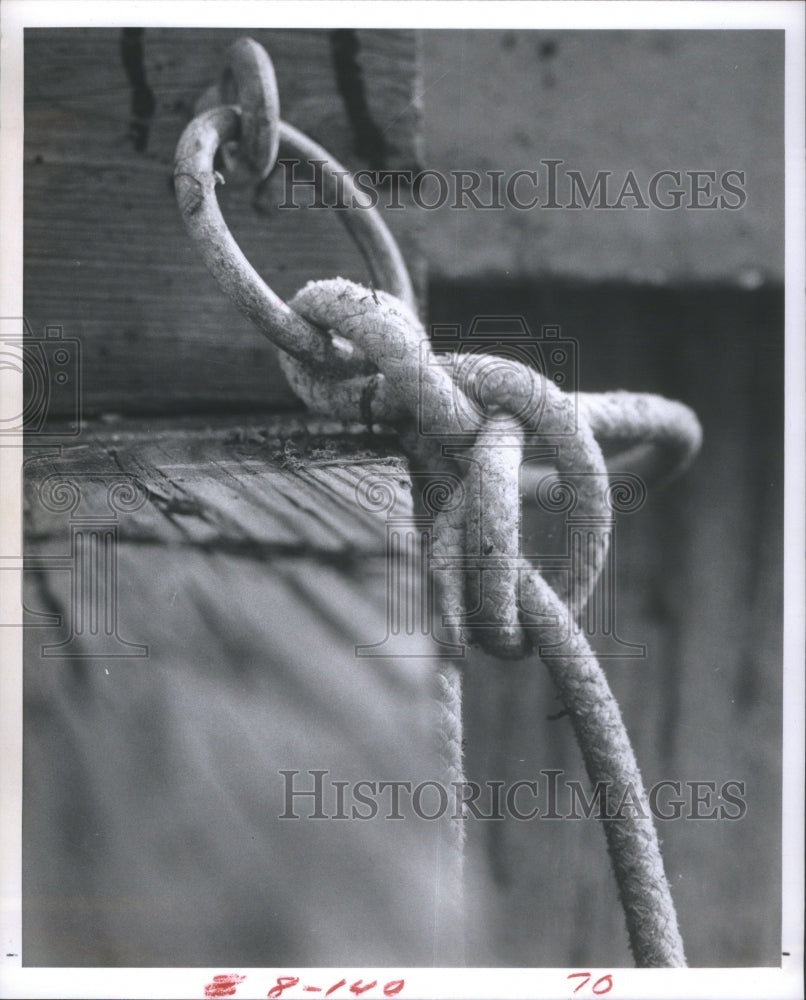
[
  {"x": 362, "y": 355},
  {"x": 412, "y": 379}
]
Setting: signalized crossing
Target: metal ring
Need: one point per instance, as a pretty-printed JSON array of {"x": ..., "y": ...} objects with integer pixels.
[
  {"x": 248, "y": 81},
  {"x": 195, "y": 182}
]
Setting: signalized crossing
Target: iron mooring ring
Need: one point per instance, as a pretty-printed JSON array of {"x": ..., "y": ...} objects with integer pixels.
[{"x": 255, "y": 125}]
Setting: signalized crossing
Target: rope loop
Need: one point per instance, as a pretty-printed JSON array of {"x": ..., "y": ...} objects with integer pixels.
[
  {"x": 413, "y": 387},
  {"x": 361, "y": 355}
]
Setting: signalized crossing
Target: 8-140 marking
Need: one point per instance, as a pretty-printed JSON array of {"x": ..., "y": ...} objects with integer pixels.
[{"x": 226, "y": 986}]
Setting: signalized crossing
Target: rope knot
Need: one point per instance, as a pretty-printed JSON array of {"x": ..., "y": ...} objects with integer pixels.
[
  {"x": 492, "y": 414},
  {"x": 470, "y": 421},
  {"x": 480, "y": 416}
]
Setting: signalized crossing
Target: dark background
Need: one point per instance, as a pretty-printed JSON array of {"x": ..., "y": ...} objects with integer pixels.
[{"x": 699, "y": 582}]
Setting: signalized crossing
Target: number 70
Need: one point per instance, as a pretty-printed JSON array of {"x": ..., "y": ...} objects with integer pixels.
[{"x": 602, "y": 985}]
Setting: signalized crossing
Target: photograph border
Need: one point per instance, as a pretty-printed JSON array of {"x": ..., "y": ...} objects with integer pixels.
[{"x": 461, "y": 983}]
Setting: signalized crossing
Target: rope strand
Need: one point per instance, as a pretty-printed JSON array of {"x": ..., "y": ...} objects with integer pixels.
[
  {"x": 482, "y": 537},
  {"x": 610, "y": 762}
]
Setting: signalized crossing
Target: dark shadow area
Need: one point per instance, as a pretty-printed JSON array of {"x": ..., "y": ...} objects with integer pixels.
[{"x": 699, "y": 582}]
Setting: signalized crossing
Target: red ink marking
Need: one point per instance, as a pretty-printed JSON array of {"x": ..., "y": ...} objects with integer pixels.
[
  {"x": 393, "y": 987},
  {"x": 358, "y": 986},
  {"x": 312, "y": 989},
  {"x": 283, "y": 983},
  {"x": 575, "y": 975},
  {"x": 336, "y": 986},
  {"x": 604, "y": 984},
  {"x": 223, "y": 986}
]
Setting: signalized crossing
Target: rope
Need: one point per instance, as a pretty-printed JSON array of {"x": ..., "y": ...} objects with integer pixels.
[
  {"x": 411, "y": 378},
  {"x": 361, "y": 355},
  {"x": 449, "y": 943}
]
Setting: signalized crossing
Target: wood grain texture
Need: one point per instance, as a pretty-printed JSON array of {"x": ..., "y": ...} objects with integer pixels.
[
  {"x": 277, "y": 484},
  {"x": 152, "y": 785},
  {"x": 106, "y": 254}
]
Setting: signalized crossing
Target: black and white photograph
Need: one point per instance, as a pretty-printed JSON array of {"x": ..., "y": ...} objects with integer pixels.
[{"x": 402, "y": 444}]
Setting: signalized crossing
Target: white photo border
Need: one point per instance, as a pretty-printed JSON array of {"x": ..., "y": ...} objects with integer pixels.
[{"x": 469, "y": 983}]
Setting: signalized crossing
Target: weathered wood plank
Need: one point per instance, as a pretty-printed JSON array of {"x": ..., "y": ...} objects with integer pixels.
[
  {"x": 106, "y": 254},
  {"x": 153, "y": 792},
  {"x": 152, "y": 783},
  {"x": 277, "y": 485}
]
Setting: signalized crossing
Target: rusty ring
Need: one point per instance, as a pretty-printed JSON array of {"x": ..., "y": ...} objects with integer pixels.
[
  {"x": 248, "y": 80},
  {"x": 255, "y": 125},
  {"x": 195, "y": 182}
]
